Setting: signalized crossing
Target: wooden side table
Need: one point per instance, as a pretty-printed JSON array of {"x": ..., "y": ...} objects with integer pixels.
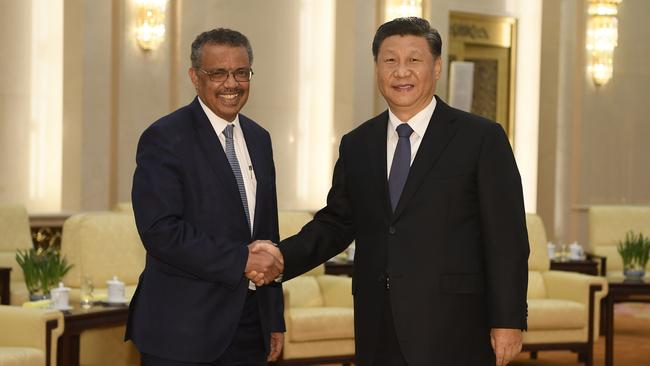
[
  {"x": 339, "y": 268},
  {"x": 79, "y": 320},
  {"x": 5, "y": 282},
  {"x": 585, "y": 266}
]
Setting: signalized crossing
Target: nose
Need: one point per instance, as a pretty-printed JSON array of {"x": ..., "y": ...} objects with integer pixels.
[
  {"x": 402, "y": 70},
  {"x": 230, "y": 81}
]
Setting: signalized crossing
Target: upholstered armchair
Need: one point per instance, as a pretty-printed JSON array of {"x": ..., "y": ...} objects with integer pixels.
[
  {"x": 608, "y": 225},
  {"x": 29, "y": 336},
  {"x": 14, "y": 234},
  {"x": 101, "y": 245},
  {"x": 318, "y": 310},
  {"x": 319, "y": 317},
  {"x": 561, "y": 305}
]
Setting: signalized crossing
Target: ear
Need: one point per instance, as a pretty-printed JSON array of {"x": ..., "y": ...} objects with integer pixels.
[
  {"x": 194, "y": 77},
  {"x": 437, "y": 67}
]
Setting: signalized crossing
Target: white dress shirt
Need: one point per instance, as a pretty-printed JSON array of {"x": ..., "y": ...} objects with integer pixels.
[
  {"x": 418, "y": 123},
  {"x": 250, "y": 183}
]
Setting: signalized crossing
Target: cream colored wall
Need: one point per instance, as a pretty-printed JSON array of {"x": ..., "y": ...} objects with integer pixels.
[
  {"x": 113, "y": 90},
  {"x": 601, "y": 132},
  {"x": 15, "y": 73},
  {"x": 30, "y": 108}
]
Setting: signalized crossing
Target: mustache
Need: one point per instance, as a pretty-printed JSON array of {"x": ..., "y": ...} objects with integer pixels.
[{"x": 230, "y": 91}]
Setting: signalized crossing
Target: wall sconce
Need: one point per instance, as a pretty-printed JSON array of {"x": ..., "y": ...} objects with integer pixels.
[
  {"x": 602, "y": 39},
  {"x": 150, "y": 23},
  {"x": 401, "y": 8}
]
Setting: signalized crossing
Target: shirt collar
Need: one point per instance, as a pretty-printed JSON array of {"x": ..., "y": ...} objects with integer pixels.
[
  {"x": 418, "y": 123},
  {"x": 219, "y": 124}
]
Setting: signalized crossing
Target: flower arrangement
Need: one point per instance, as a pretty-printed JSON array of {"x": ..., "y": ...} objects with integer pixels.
[
  {"x": 43, "y": 270},
  {"x": 635, "y": 252}
]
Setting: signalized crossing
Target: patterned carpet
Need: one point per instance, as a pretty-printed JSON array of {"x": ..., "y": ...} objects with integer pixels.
[{"x": 631, "y": 342}]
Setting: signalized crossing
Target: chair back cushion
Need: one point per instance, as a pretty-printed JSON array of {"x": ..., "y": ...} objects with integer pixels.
[
  {"x": 536, "y": 286},
  {"x": 14, "y": 234},
  {"x": 538, "y": 259},
  {"x": 609, "y": 224},
  {"x": 304, "y": 291},
  {"x": 102, "y": 245}
]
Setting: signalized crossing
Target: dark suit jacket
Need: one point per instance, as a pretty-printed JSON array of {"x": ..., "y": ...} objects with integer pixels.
[
  {"x": 455, "y": 248},
  {"x": 191, "y": 221}
]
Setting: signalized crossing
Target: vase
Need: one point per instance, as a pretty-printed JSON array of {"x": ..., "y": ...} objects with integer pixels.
[
  {"x": 38, "y": 297},
  {"x": 636, "y": 274}
]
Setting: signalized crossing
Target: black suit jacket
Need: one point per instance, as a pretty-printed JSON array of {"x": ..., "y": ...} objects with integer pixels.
[
  {"x": 191, "y": 221},
  {"x": 455, "y": 248}
]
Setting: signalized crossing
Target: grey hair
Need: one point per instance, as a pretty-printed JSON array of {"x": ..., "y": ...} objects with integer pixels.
[{"x": 221, "y": 36}]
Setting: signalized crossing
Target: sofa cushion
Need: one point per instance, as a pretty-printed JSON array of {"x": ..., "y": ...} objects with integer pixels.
[
  {"x": 21, "y": 356},
  {"x": 320, "y": 323},
  {"x": 556, "y": 314}
]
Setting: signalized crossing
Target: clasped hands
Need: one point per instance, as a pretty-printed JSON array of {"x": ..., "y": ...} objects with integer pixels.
[{"x": 265, "y": 262}]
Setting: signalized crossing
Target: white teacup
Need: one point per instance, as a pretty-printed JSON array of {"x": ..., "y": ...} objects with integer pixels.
[
  {"x": 60, "y": 297},
  {"x": 115, "y": 291},
  {"x": 576, "y": 251}
]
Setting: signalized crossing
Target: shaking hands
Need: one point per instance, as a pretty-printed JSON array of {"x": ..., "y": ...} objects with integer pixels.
[{"x": 265, "y": 262}]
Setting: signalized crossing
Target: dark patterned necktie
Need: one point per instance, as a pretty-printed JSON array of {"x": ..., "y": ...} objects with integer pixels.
[
  {"x": 399, "y": 170},
  {"x": 234, "y": 164}
]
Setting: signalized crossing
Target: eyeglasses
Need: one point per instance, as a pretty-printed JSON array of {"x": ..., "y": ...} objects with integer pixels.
[{"x": 221, "y": 75}]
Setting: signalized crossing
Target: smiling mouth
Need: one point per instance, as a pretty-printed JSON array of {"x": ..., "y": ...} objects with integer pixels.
[
  {"x": 230, "y": 96},
  {"x": 402, "y": 87}
]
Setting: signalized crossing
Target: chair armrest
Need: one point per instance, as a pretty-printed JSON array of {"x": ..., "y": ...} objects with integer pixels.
[
  {"x": 22, "y": 327},
  {"x": 601, "y": 259},
  {"x": 573, "y": 286},
  {"x": 336, "y": 290}
]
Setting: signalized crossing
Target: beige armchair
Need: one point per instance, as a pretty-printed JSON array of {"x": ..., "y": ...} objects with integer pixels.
[
  {"x": 319, "y": 316},
  {"x": 29, "y": 336},
  {"x": 608, "y": 225},
  {"x": 101, "y": 245},
  {"x": 14, "y": 234},
  {"x": 318, "y": 310},
  {"x": 561, "y": 305}
]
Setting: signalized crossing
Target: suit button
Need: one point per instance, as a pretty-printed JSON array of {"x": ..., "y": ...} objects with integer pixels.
[{"x": 391, "y": 230}]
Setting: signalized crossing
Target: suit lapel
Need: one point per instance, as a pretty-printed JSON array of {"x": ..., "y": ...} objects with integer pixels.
[
  {"x": 438, "y": 134},
  {"x": 377, "y": 151},
  {"x": 213, "y": 151},
  {"x": 257, "y": 156}
]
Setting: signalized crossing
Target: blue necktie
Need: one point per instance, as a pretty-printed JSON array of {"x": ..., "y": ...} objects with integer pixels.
[
  {"x": 399, "y": 170},
  {"x": 234, "y": 164}
]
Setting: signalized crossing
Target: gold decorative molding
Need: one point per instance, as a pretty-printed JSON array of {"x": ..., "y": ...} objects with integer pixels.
[{"x": 490, "y": 43}]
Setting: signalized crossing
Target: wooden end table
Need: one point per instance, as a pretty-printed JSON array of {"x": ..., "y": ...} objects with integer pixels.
[
  {"x": 620, "y": 290},
  {"x": 336, "y": 267},
  {"x": 78, "y": 320},
  {"x": 585, "y": 266},
  {"x": 5, "y": 282}
]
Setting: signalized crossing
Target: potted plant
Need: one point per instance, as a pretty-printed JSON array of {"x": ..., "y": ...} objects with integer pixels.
[
  {"x": 43, "y": 270},
  {"x": 635, "y": 251}
]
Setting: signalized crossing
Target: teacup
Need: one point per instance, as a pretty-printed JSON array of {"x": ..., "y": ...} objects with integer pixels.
[
  {"x": 60, "y": 297},
  {"x": 115, "y": 290}
]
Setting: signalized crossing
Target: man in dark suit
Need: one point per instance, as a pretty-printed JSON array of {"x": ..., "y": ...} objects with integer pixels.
[
  {"x": 433, "y": 197},
  {"x": 203, "y": 189}
]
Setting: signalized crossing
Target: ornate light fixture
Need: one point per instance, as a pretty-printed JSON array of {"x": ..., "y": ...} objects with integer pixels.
[
  {"x": 150, "y": 23},
  {"x": 602, "y": 39},
  {"x": 402, "y": 8}
]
